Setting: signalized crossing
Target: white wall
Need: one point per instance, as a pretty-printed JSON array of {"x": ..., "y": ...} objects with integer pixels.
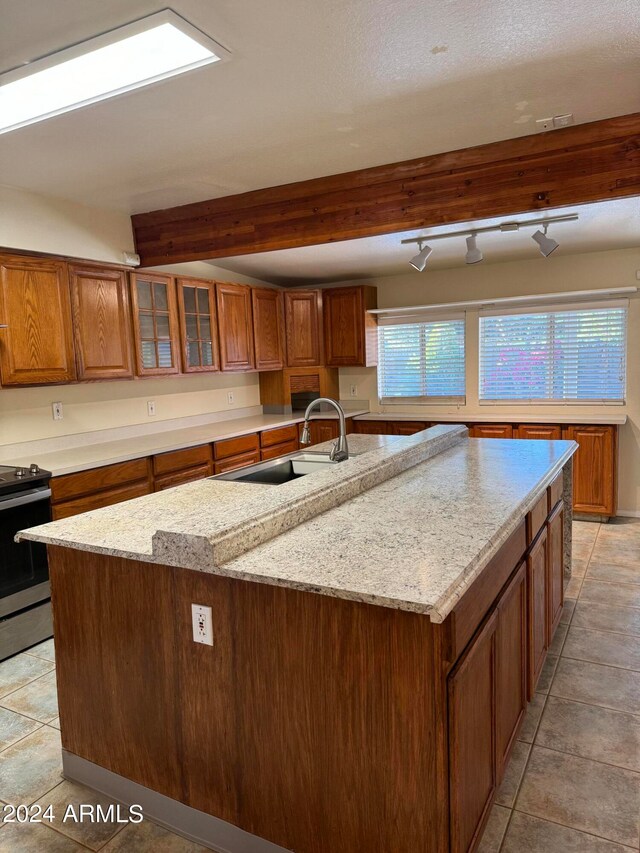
[
  {"x": 39, "y": 224},
  {"x": 557, "y": 273}
]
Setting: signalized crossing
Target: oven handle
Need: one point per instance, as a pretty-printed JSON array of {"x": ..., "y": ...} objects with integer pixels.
[{"x": 29, "y": 497}]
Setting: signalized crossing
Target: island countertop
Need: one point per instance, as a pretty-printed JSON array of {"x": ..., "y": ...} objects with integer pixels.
[{"x": 413, "y": 542}]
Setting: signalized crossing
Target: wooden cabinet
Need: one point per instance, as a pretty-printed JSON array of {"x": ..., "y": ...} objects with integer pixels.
[
  {"x": 235, "y": 326},
  {"x": 198, "y": 325},
  {"x": 373, "y": 427},
  {"x": 555, "y": 570},
  {"x": 36, "y": 348},
  {"x": 472, "y": 733},
  {"x": 155, "y": 324},
  {"x": 511, "y": 668},
  {"x": 408, "y": 427},
  {"x": 491, "y": 431},
  {"x": 350, "y": 333},
  {"x": 548, "y": 432},
  {"x": 537, "y": 606},
  {"x": 303, "y": 328},
  {"x": 324, "y": 430},
  {"x": 594, "y": 468},
  {"x": 72, "y": 494},
  {"x": 232, "y": 453},
  {"x": 278, "y": 442},
  {"x": 101, "y": 323},
  {"x": 182, "y": 466},
  {"x": 268, "y": 328}
]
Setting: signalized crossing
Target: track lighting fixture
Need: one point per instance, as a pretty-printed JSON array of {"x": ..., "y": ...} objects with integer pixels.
[
  {"x": 474, "y": 255},
  {"x": 419, "y": 262},
  {"x": 546, "y": 244}
]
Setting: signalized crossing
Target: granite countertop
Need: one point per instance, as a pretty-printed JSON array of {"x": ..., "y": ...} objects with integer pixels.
[
  {"x": 83, "y": 457},
  {"x": 493, "y": 416},
  {"x": 413, "y": 539}
]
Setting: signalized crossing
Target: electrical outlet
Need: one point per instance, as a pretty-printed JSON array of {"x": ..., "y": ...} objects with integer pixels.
[
  {"x": 545, "y": 123},
  {"x": 563, "y": 121},
  {"x": 151, "y": 408},
  {"x": 58, "y": 414},
  {"x": 230, "y": 398},
  {"x": 353, "y": 390},
  {"x": 202, "y": 622}
]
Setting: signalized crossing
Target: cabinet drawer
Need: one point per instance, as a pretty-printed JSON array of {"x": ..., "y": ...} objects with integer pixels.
[
  {"x": 408, "y": 427},
  {"x": 98, "y": 479},
  {"x": 179, "y": 478},
  {"x": 491, "y": 431},
  {"x": 373, "y": 427},
  {"x": 178, "y": 460},
  {"x": 107, "y": 497},
  {"x": 279, "y": 449},
  {"x": 240, "y": 461},
  {"x": 536, "y": 517},
  {"x": 554, "y": 492},
  {"x": 269, "y": 437},
  {"x": 235, "y": 446}
]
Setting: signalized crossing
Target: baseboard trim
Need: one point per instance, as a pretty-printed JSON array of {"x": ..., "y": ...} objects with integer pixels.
[
  {"x": 629, "y": 513},
  {"x": 196, "y": 826}
]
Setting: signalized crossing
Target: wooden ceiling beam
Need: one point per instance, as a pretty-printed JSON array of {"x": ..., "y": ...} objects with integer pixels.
[{"x": 576, "y": 165}]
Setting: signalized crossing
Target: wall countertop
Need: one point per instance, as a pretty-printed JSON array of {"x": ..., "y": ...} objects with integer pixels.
[
  {"x": 72, "y": 460},
  {"x": 414, "y": 540},
  {"x": 494, "y": 416}
]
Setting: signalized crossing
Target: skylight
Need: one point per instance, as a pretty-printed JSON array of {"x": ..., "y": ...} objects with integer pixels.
[{"x": 152, "y": 49}]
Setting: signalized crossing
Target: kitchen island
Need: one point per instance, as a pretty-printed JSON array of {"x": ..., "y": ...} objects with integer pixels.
[{"x": 378, "y": 629}]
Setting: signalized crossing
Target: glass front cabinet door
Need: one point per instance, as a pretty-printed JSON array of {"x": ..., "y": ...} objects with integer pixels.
[
  {"x": 155, "y": 320},
  {"x": 198, "y": 325}
]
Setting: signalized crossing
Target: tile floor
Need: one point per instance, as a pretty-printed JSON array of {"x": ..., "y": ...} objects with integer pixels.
[{"x": 573, "y": 783}]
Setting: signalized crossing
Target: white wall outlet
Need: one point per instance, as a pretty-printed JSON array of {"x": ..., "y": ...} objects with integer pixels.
[
  {"x": 202, "y": 622},
  {"x": 353, "y": 390},
  {"x": 151, "y": 408},
  {"x": 230, "y": 398},
  {"x": 58, "y": 414},
  {"x": 563, "y": 120}
]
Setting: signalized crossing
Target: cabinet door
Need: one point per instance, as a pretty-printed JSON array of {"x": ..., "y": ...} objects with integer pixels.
[
  {"x": 350, "y": 334},
  {"x": 302, "y": 324},
  {"x": 537, "y": 607},
  {"x": 555, "y": 569},
  {"x": 408, "y": 427},
  {"x": 235, "y": 327},
  {"x": 36, "y": 348},
  {"x": 155, "y": 324},
  {"x": 268, "y": 328},
  {"x": 472, "y": 753},
  {"x": 491, "y": 431},
  {"x": 548, "y": 432},
  {"x": 511, "y": 666},
  {"x": 101, "y": 323},
  {"x": 594, "y": 468},
  {"x": 198, "y": 325},
  {"x": 373, "y": 427}
]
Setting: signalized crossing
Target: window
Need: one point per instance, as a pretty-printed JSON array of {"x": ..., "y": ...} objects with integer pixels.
[
  {"x": 567, "y": 354},
  {"x": 422, "y": 362}
]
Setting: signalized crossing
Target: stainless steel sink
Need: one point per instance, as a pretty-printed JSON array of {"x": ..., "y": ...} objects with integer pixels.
[{"x": 281, "y": 470}]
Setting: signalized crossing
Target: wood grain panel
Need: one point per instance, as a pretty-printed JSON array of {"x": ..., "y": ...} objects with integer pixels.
[
  {"x": 96, "y": 479},
  {"x": 491, "y": 431},
  {"x": 594, "y": 468},
  {"x": 234, "y": 446},
  {"x": 547, "y": 432},
  {"x": 536, "y": 517},
  {"x": 180, "y": 478},
  {"x": 373, "y": 427},
  {"x": 234, "y": 462},
  {"x": 177, "y": 460},
  {"x": 235, "y": 327},
  {"x": 279, "y": 449},
  {"x": 555, "y": 570},
  {"x": 554, "y": 492},
  {"x": 350, "y": 333},
  {"x": 580, "y": 164},
  {"x": 36, "y": 348},
  {"x": 101, "y": 323},
  {"x": 408, "y": 427},
  {"x": 107, "y": 497},
  {"x": 117, "y": 683},
  {"x": 303, "y": 328},
  {"x": 268, "y": 328},
  {"x": 269, "y": 437},
  {"x": 537, "y": 604}
]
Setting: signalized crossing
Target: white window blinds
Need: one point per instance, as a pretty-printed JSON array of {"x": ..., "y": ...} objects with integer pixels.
[
  {"x": 421, "y": 362},
  {"x": 575, "y": 353}
]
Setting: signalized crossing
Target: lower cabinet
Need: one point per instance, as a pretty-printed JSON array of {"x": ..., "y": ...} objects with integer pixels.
[
  {"x": 594, "y": 468},
  {"x": 491, "y": 431},
  {"x": 182, "y": 466},
  {"x": 72, "y": 494},
  {"x": 537, "y": 607},
  {"x": 324, "y": 430}
]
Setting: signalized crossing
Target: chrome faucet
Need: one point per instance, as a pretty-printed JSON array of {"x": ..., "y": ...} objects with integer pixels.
[{"x": 339, "y": 451}]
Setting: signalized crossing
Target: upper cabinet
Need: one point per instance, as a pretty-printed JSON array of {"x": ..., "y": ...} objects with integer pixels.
[
  {"x": 303, "y": 316},
  {"x": 350, "y": 333},
  {"x": 235, "y": 326},
  {"x": 36, "y": 347},
  {"x": 101, "y": 322},
  {"x": 268, "y": 328},
  {"x": 198, "y": 325},
  {"x": 155, "y": 323}
]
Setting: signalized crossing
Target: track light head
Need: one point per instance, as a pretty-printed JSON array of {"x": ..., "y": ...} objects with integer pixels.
[
  {"x": 546, "y": 244},
  {"x": 419, "y": 262},
  {"x": 474, "y": 255}
]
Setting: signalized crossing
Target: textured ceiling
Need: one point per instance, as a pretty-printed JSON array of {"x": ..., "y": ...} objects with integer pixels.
[
  {"x": 600, "y": 227},
  {"x": 315, "y": 87}
]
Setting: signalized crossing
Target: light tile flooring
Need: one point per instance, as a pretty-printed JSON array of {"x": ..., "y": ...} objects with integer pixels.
[{"x": 573, "y": 783}]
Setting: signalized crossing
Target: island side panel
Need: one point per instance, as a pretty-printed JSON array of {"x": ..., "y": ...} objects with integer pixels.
[{"x": 116, "y": 665}]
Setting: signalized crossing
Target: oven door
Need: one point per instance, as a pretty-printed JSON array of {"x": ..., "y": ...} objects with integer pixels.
[{"x": 24, "y": 574}]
